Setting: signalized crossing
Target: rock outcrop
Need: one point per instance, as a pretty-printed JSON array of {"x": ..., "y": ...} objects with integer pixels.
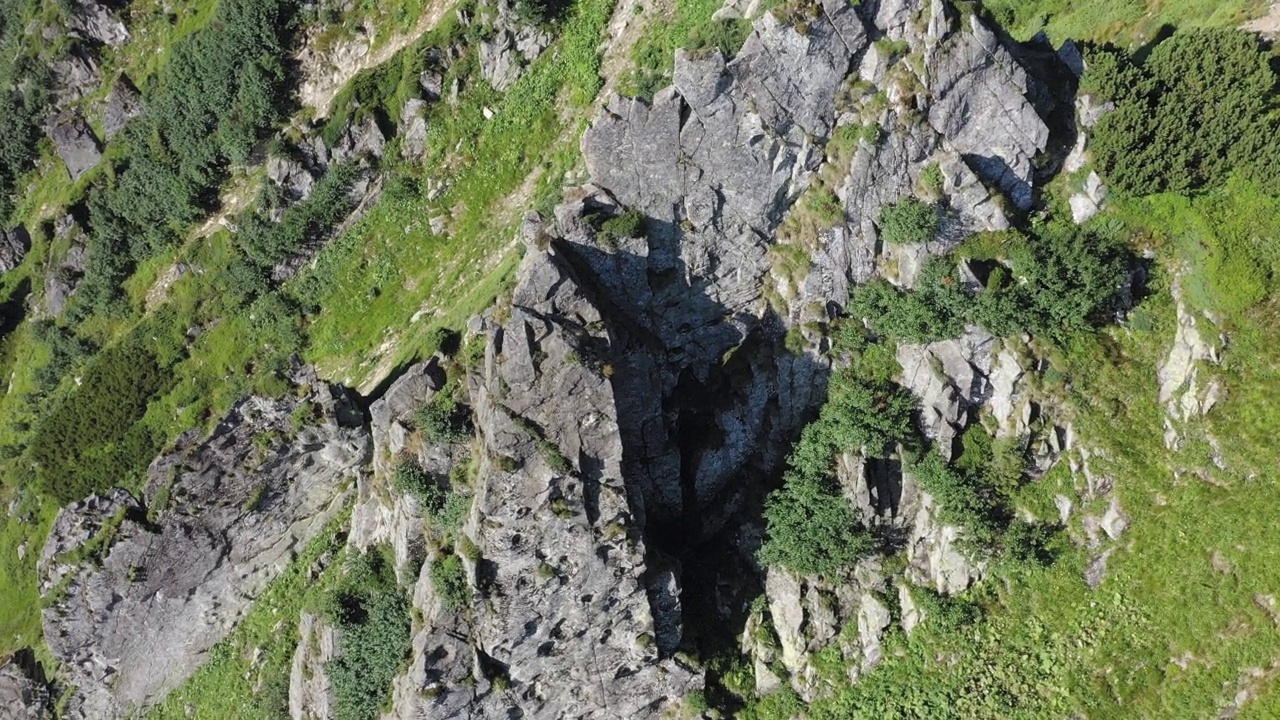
[
  {"x": 92, "y": 20},
  {"x": 512, "y": 44},
  {"x": 558, "y": 533},
  {"x": 14, "y": 245},
  {"x": 123, "y": 104},
  {"x": 75, "y": 143},
  {"x": 24, "y": 695},
  {"x": 139, "y": 589}
]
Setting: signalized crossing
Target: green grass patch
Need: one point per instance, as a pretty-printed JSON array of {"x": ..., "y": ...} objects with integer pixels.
[{"x": 1131, "y": 22}]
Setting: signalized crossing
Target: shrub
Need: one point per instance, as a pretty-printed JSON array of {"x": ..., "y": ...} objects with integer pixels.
[
  {"x": 372, "y": 617},
  {"x": 443, "y": 418},
  {"x": 629, "y": 224},
  {"x": 811, "y": 527},
  {"x": 908, "y": 221},
  {"x": 934, "y": 310},
  {"x": 23, "y": 83},
  {"x": 1198, "y": 107},
  {"x": 450, "y": 582},
  {"x": 410, "y": 479},
  {"x": 1060, "y": 282},
  {"x": 214, "y": 99},
  {"x": 92, "y": 440}
]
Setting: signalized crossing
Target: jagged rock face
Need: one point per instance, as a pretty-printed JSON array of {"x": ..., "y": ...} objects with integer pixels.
[
  {"x": 14, "y": 245},
  {"x": 892, "y": 169},
  {"x": 93, "y": 20},
  {"x": 63, "y": 277},
  {"x": 360, "y": 139},
  {"x": 296, "y": 182},
  {"x": 980, "y": 104},
  {"x": 123, "y": 104},
  {"x": 713, "y": 164},
  {"x": 310, "y": 693},
  {"x": 399, "y": 524},
  {"x": 75, "y": 76},
  {"x": 176, "y": 570},
  {"x": 559, "y": 542},
  {"x": 75, "y": 143},
  {"x": 951, "y": 379},
  {"x": 24, "y": 695},
  {"x": 510, "y": 47}
]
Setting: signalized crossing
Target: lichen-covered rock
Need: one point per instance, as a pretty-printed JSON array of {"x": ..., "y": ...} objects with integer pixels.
[
  {"x": 511, "y": 45},
  {"x": 559, "y": 543},
  {"x": 139, "y": 589},
  {"x": 310, "y": 693},
  {"x": 413, "y": 129},
  {"x": 93, "y": 20},
  {"x": 123, "y": 104},
  {"x": 950, "y": 378}
]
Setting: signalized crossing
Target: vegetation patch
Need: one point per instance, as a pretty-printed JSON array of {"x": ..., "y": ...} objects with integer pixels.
[
  {"x": 1196, "y": 108},
  {"x": 371, "y": 614}
]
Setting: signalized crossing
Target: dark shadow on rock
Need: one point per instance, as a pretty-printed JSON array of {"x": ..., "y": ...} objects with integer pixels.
[
  {"x": 706, "y": 407},
  {"x": 13, "y": 309}
]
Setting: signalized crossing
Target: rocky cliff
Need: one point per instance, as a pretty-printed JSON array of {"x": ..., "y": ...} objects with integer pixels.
[
  {"x": 635, "y": 402},
  {"x": 139, "y": 589}
]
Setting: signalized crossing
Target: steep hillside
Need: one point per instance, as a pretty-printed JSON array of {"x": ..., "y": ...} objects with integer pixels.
[{"x": 895, "y": 358}]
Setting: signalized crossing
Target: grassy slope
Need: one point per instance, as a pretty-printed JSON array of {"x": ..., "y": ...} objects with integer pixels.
[
  {"x": 391, "y": 269},
  {"x": 1121, "y": 21}
]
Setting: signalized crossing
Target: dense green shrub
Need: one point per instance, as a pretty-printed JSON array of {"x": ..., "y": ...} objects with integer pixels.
[
  {"x": 92, "y": 441},
  {"x": 812, "y": 529},
  {"x": 450, "y": 582},
  {"x": 447, "y": 510},
  {"x": 1200, "y": 106},
  {"x": 65, "y": 350},
  {"x": 22, "y": 98},
  {"x": 629, "y": 224},
  {"x": 934, "y": 310},
  {"x": 961, "y": 499},
  {"x": 372, "y": 617},
  {"x": 1059, "y": 282},
  {"x": 908, "y": 221},
  {"x": 266, "y": 243}
]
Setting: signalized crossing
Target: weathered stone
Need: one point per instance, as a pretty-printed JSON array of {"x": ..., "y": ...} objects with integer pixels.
[
  {"x": 222, "y": 516},
  {"x": 310, "y": 693},
  {"x": 24, "y": 693},
  {"x": 75, "y": 143},
  {"x": 290, "y": 176},
  {"x": 123, "y": 104},
  {"x": 93, "y": 20},
  {"x": 980, "y": 105},
  {"x": 14, "y": 245},
  {"x": 512, "y": 44},
  {"x": 358, "y": 140},
  {"x": 413, "y": 129},
  {"x": 949, "y": 377}
]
